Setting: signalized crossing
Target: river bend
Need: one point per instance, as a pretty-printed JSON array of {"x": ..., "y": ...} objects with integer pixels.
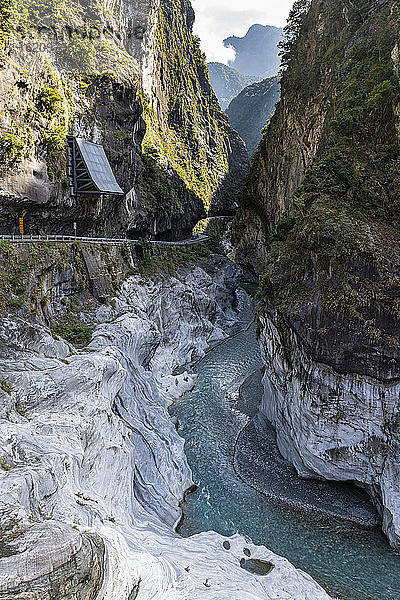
[{"x": 328, "y": 530}]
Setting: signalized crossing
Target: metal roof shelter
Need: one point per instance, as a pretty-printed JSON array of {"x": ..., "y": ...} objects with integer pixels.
[{"x": 90, "y": 171}]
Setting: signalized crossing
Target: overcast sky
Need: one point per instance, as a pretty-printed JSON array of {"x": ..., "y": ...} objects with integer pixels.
[{"x": 219, "y": 19}]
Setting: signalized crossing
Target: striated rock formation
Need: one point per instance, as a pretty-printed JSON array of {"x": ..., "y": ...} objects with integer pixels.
[
  {"x": 319, "y": 221},
  {"x": 88, "y": 68},
  {"x": 53, "y": 561},
  {"x": 91, "y": 464},
  {"x": 252, "y": 109}
]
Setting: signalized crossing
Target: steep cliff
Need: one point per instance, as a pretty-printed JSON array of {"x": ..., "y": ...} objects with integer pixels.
[
  {"x": 319, "y": 220},
  {"x": 252, "y": 109},
  {"x": 185, "y": 122},
  {"x": 227, "y": 83},
  {"x": 65, "y": 70},
  {"x": 87, "y": 69}
]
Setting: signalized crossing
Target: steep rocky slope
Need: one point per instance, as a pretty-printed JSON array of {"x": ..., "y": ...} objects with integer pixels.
[
  {"x": 252, "y": 109},
  {"x": 184, "y": 119},
  {"x": 92, "y": 470},
  {"x": 88, "y": 69},
  {"x": 227, "y": 83},
  {"x": 256, "y": 53},
  {"x": 93, "y": 349},
  {"x": 319, "y": 221}
]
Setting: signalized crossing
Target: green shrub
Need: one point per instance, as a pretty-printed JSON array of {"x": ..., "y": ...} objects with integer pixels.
[
  {"x": 5, "y": 12},
  {"x": 20, "y": 410},
  {"x": 12, "y": 147},
  {"x": 126, "y": 252},
  {"x": 349, "y": 121},
  {"x": 16, "y": 302},
  {"x": 283, "y": 229},
  {"x": 356, "y": 17},
  {"x": 77, "y": 333},
  {"x": 5, "y": 247},
  {"x": 297, "y": 16},
  {"x": 265, "y": 288},
  {"x": 4, "y": 464},
  {"x": 51, "y": 100},
  {"x": 382, "y": 93},
  {"x": 55, "y": 140}
]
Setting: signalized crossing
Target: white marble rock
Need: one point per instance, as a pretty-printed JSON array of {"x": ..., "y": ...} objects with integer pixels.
[
  {"x": 333, "y": 426},
  {"x": 91, "y": 448}
]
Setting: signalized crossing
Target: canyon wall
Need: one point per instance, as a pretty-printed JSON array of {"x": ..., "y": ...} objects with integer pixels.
[
  {"x": 94, "y": 70},
  {"x": 250, "y": 112},
  {"x": 319, "y": 223}
]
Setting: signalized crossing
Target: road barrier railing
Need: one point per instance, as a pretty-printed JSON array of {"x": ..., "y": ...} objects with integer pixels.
[{"x": 16, "y": 238}]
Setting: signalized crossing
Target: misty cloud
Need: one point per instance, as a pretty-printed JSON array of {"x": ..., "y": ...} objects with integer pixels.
[{"x": 219, "y": 19}]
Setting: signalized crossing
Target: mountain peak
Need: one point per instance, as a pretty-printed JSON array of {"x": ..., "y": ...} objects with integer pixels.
[{"x": 256, "y": 53}]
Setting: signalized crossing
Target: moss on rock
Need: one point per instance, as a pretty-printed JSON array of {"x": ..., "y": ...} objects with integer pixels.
[{"x": 323, "y": 192}]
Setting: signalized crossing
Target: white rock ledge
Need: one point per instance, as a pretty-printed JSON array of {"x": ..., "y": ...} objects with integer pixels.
[
  {"x": 91, "y": 447},
  {"x": 333, "y": 426}
]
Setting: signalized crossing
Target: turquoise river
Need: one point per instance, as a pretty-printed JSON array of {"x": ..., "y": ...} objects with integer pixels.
[{"x": 329, "y": 530}]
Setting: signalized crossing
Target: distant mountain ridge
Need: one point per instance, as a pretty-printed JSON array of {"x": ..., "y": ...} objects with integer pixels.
[
  {"x": 227, "y": 82},
  {"x": 249, "y": 88},
  {"x": 257, "y": 53},
  {"x": 250, "y": 111}
]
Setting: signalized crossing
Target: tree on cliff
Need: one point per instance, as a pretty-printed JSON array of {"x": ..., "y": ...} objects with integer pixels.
[{"x": 292, "y": 29}]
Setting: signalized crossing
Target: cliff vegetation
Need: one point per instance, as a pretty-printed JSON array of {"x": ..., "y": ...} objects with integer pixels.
[
  {"x": 320, "y": 213},
  {"x": 185, "y": 124},
  {"x": 91, "y": 69}
]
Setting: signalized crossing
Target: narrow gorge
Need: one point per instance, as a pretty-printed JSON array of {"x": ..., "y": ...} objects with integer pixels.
[
  {"x": 199, "y": 387},
  {"x": 319, "y": 223}
]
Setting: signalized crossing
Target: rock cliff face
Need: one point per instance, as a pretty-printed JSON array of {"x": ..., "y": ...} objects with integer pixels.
[
  {"x": 65, "y": 70},
  {"x": 319, "y": 222},
  {"x": 92, "y": 470},
  {"x": 227, "y": 83},
  {"x": 250, "y": 112},
  {"x": 185, "y": 122},
  {"x": 88, "y": 69}
]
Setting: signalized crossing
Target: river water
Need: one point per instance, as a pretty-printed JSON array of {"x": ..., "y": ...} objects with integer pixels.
[{"x": 310, "y": 523}]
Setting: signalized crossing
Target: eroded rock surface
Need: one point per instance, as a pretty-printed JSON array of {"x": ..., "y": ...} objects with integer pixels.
[
  {"x": 336, "y": 427},
  {"x": 90, "y": 455},
  {"x": 53, "y": 561}
]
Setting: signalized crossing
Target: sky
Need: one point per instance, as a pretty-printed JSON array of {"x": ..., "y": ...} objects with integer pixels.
[{"x": 219, "y": 19}]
